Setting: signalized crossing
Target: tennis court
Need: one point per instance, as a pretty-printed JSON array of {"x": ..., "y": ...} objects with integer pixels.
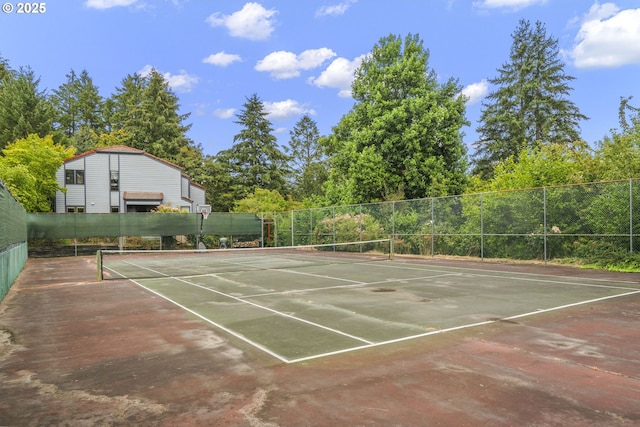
[
  {"x": 302, "y": 303},
  {"x": 76, "y": 351}
]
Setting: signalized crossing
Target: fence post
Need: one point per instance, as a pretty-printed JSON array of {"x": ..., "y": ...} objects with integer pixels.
[
  {"x": 75, "y": 235},
  {"x": 482, "y": 226},
  {"x": 393, "y": 218},
  {"x": 333, "y": 222},
  {"x": 311, "y": 226},
  {"x": 433, "y": 228},
  {"x": 360, "y": 225},
  {"x": 275, "y": 230},
  {"x": 261, "y": 229},
  {"x": 293, "y": 243},
  {"x": 544, "y": 222},
  {"x": 630, "y": 215}
]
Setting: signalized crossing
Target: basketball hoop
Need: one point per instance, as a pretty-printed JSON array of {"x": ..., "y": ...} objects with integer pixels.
[{"x": 203, "y": 210}]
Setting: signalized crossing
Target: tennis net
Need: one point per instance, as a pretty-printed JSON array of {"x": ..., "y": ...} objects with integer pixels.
[{"x": 138, "y": 264}]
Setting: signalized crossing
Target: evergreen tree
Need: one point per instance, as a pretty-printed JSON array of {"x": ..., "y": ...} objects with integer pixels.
[
  {"x": 255, "y": 160},
  {"x": 120, "y": 108},
  {"x": 85, "y": 139},
  {"x": 530, "y": 106},
  {"x": 160, "y": 119},
  {"x": 5, "y": 71},
  {"x": 219, "y": 184},
  {"x": 309, "y": 172},
  {"x": 402, "y": 137},
  {"x": 24, "y": 109},
  {"x": 147, "y": 110},
  {"x": 78, "y": 104}
]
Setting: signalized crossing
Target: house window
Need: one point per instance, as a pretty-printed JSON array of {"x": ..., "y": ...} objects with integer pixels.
[
  {"x": 75, "y": 209},
  {"x": 115, "y": 180},
  {"x": 74, "y": 176},
  {"x": 115, "y": 209}
]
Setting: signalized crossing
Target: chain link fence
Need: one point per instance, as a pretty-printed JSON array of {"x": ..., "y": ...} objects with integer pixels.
[
  {"x": 536, "y": 224},
  {"x": 13, "y": 239},
  {"x": 577, "y": 221}
]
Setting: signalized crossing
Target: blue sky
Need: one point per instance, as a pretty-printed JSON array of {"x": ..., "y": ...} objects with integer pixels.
[{"x": 299, "y": 56}]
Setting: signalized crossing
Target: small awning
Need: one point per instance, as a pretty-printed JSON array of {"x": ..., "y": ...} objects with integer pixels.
[{"x": 142, "y": 195}]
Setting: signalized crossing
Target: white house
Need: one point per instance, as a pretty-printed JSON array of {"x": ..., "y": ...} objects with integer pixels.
[{"x": 123, "y": 179}]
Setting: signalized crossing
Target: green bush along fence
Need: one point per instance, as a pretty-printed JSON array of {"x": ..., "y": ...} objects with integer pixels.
[
  {"x": 536, "y": 224},
  {"x": 13, "y": 239}
]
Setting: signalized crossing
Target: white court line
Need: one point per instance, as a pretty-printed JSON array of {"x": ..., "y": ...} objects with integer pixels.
[
  {"x": 455, "y": 328},
  {"x": 397, "y": 340},
  {"x": 252, "y": 261},
  {"x": 511, "y": 275},
  {"x": 217, "y": 325},
  {"x": 355, "y": 285},
  {"x": 336, "y": 331}
]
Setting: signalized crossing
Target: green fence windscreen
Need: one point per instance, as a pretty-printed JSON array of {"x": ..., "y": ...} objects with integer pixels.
[
  {"x": 70, "y": 226},
  {"x": 13, "y": 239}
]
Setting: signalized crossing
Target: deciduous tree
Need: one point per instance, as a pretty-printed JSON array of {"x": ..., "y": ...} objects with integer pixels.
[
  {"x": 618, "y": 155},
  {"x": 546, "y": 165},
  {"x": 264, "y": 201},
  {"x": 402, "y": 137},
  {"x": 29, "y": 167}
]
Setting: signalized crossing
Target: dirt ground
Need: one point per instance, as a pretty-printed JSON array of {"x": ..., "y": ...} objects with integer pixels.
[{"x": 76, "y": 352}]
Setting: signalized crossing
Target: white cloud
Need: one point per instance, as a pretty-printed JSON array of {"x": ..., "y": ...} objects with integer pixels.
[
  {"x": 476, "y": 91},
  {"x": 284, "y": 110},
  {"x": 507, "y": 4},
  {"x": 608, "y": 37},
  {"x": 107, "y": 4},
  {"x": 224, "y": 113},
  {"x": 598, "y": 12},
  {"x": 339, "y": 74},
  {"x": 252, "y": 22},
  {"x": 200, "y": 109},
  {"x": 182, "y": 82},
  {"x": 285, "y": 65},
  {"x": 338, "y": 9},
  {"x": 221, "y": 59}
]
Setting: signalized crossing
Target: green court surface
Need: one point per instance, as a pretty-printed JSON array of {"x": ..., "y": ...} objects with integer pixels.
[{"x": 304, "y": 311}]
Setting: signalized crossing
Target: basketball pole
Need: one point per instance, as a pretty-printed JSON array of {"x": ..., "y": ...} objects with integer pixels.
[
  {"x": 201, "y": 224},
  {"x": 204, "y": 211}
]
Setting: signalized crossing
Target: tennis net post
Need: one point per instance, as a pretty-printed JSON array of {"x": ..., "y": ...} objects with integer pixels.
[{"x": 99, "y": 264}]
